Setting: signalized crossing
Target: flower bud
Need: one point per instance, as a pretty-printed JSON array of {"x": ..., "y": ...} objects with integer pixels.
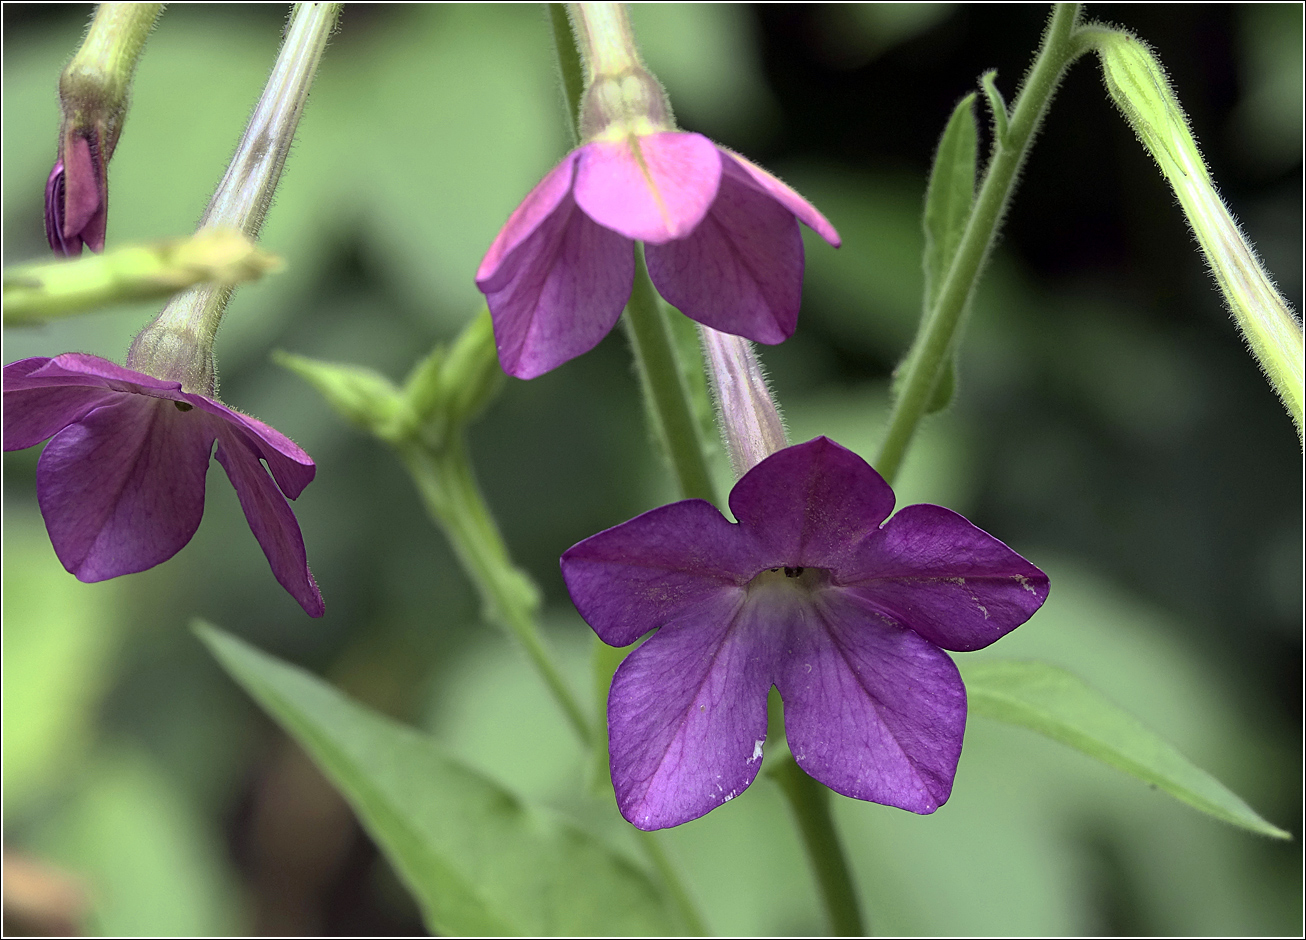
[
  {"x": 93, "y": 92},
  {"x": 749, "y": 420},
  {"x": 1138, "y": 85}
]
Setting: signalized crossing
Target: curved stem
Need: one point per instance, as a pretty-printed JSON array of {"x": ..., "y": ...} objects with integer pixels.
[
  {"x": 448, "y": 489},
  {"x": 664, "y": 386},
  {"x": 924, "y": 363},
  {"x": 810, "y": 803}
]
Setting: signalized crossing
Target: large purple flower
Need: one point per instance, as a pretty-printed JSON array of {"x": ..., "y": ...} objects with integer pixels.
[
  {"x": 721, "y": 242},
  {"x": 813, "y": 592},
  {"x": 121, "y": 483}
]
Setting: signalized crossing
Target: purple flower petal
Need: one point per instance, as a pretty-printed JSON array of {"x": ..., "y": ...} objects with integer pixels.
[
  {"x": 800, "y": 207},
  {"x": 741, "y": 270},
  {"x": 810, "y": 504},
  {"x": 872, "y": 710},
  {"x": 123, "y": 489},
  {"x": 33, "y": 414},
  {"x": 931, "y": 570},
  {"x": 687, "y": 713},
  {"x": 54, "y": 203},
  {"x": 652, "y": 188},
  {"x": 643, "y": 573},
  {"x": 559, "y": 293},
  {"x": 291, "y": 467},
  {"x": 270, "y": 517}
]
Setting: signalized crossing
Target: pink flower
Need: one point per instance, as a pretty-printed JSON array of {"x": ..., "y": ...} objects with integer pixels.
[
  {"x": 721, "y": 240},
  {"x": 121, "y": 483}
]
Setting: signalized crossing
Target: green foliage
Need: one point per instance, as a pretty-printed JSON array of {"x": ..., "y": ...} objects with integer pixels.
[
  {"x": 479, "y": 860},
  {"x": 948, "y": 201},
  {"x": 1055, "y": 703},
  {"x": 362, "y": 396}
]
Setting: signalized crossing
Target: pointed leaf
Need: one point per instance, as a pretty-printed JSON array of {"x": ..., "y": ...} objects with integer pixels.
[
  {"x": 1058, "y": 704},
  {"x": 950, "y": 195},
  {"x": 362, "y": 396},
  {"x": 477, "y": 859}
]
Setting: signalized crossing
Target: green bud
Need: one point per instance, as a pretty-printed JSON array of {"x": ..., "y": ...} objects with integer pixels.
[
  {"x": 34, "y": 293},
  {"x": 1138, "y": 85},
  {"x": 362, "y": 396}
]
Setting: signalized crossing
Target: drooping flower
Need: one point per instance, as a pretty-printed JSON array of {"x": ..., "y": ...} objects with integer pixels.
[
  {"x": 812, "y": 591},
  {"x": 121, "y": 483},
  {"x": 720, "y": 236}
]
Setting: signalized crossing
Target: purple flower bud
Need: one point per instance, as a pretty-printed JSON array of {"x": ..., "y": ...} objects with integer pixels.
[
  {"x": 77, "y": 197},
  {"x": 812, "y": 591}
]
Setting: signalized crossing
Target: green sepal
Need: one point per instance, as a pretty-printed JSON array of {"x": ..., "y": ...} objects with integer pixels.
[
  {"x": 478, "y": 859},
  {"x": 997, "y": 106},
  {"x": 1062, "y": 706},
  {"x": 362, "y": 396}
]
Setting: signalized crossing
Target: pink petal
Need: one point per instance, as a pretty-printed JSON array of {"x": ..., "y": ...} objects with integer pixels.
[
  {"x": 643, "y": 573},
  {"x": 687, "y": 714},
  {"x": 84, "y": 369},
  {"x": 931, "y": 570},
  {"x": 653, "y": 188},
  {"x": 804, "y": 210},
  {"x": 123, "y": 489},
  {"x": 559, "y": 292},
  {"x": 872, "y": 710},
  {"x": 811, "y": 504},
  {"x": 538, "y": 205},
  {"x": 270, "y": 518},
  {"x": 741, "y": 270}
]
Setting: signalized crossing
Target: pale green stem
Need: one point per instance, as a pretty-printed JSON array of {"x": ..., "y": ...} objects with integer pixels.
[
  {"x": 95, "y": 84},
  {"x": 926, "y": 360},
  {"x": 448, "y": 489},
  {"x": 178, "y": 345}
]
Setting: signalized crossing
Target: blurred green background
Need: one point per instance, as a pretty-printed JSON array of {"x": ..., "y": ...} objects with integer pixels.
[{"x": 1109, "y": 426}]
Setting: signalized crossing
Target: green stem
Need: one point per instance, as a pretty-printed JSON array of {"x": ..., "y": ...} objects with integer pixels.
[
  {"x": 925, "y": 362},
  {"x": 448, "y": 488},
  {"x": 569, "y": 66},
  {"x": 810, "y": 803},
  {"x": 694, "y": 925},
  {"x": 664, "y": 386}
]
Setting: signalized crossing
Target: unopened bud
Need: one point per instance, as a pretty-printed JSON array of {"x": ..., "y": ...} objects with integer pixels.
[
  {"x": 93, "y": 92},
  {"x": 749, "y": 419}
]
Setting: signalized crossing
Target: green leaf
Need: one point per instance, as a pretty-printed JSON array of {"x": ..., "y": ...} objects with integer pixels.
[
  {"x": 363, "y": 396},
  {"x": 950, "y": 195},
  {"x": 1053, "y": 702},
  {"x": 477, "y": 859},
  {"x": 997, "y": 105},
  {"x": 948, "y": 201}
]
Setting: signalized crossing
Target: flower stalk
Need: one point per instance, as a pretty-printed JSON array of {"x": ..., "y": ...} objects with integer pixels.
[
  {"x": 927, "y": 359},
  {"x": 178, "y": 344}
]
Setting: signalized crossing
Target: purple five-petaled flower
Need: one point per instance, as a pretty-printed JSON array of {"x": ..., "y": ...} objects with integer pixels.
[
  {"x": 721, "y": 241},
  {"x": 121, "y": 483},
  {"x": 77, "y": 197},
  {"x": 814, "y": 593}
]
